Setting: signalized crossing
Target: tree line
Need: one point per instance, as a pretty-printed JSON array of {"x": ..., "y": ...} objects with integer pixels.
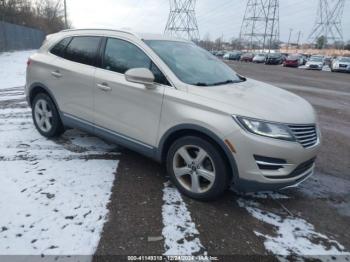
[{"x": 46, "y": 15}]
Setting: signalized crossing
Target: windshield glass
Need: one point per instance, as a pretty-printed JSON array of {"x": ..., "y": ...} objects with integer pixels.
[
  {"x": 192, "y": 64},
  {"x": 293, "y": 57},
  {"x": 274, "y": 55},
  {"x": 345, "y": 59},
  {"x": 316, "y": 59}
]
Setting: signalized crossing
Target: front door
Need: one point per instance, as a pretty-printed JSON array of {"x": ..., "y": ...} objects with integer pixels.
[{"x": 129, "y": 110}]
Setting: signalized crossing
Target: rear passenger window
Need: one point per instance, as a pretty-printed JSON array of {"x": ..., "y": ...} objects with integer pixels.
[
  {"x": 59, "y": 48},
  {"x": 83, "y": 49},
  {"x": 120, "y": 56}
]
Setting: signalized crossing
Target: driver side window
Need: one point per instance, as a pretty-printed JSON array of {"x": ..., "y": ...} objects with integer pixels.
[{"x": 120, "y": 56}]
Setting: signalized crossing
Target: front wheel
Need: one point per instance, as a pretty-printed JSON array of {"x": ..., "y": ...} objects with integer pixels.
[
  {"x": 197, "y": 168},
  {"x": 46, "y": 117}
]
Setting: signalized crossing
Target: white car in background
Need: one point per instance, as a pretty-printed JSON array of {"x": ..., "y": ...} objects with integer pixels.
[
  {"x": 341, "y": 64},
  {"x": 315, "y": 63},
  {"x": 259, "y": 58}
]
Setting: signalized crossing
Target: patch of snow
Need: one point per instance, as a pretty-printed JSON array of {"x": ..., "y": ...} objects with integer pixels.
[
  {"x": 180, "y": 234},
  {"x": 54, "y": 192},
  {"x": 293, "y": 235},
  {"x": 13, "y": 68}
]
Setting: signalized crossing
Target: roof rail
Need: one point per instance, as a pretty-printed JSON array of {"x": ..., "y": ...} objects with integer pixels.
[{"x": 101, "y": 29}]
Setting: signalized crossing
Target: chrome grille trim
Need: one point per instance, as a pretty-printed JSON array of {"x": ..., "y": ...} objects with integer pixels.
[{"x": 306, "y": 135}]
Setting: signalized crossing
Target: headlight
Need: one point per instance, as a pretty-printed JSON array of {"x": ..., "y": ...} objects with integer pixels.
[{"x": 264, "y": 128}]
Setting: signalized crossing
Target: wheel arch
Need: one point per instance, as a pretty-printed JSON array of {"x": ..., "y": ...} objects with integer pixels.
[
  {"x": 189, "y": 129},
  {"x": 37, "y": 88}
]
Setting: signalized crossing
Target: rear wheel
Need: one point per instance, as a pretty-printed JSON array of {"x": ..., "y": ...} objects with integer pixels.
[
  {"x": 45, "y": 116},
  {"x": 197, "y": 168}
]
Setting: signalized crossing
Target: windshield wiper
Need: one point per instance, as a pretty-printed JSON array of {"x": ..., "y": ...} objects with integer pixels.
[
  {"x": 224, "y": 82},
  {"x": 200, "y": 84}
]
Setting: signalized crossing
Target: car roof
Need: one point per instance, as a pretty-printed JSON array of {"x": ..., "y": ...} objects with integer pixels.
[{"x": 121, "y": 32}]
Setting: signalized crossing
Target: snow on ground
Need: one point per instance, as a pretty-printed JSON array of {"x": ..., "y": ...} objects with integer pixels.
[
  {"x": 180, "y": 234},
  {"x": 53, "y": 201},
  {"x": 13, "y": 67},
  {"x": 293, "y": 235}
]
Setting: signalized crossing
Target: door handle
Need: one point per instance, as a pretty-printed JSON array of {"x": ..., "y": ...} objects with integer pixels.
[
  {"x": 104, "y": 87},
  {"x": 56, "y": 74}
]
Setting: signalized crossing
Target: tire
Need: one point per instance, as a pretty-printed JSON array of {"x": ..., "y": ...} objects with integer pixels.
[
  {"x": 210, "y": 172},
  {"x": 46, "y": 117}
]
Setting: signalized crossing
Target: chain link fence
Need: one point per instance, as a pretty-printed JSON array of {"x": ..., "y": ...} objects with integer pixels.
[{"x": 16, "y": 37}]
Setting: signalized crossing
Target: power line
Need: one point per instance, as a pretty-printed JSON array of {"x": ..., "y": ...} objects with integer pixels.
[{"x": 182, "y": 20}]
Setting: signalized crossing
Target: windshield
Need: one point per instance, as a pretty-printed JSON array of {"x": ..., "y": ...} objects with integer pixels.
[
  {"x": 345, "y": 59},
  {"x": 274, "y": 55},
  {"x": 192, "y": 64},
  {"x": 316, "y": 59},
  {"x": 293, "y": 57}
]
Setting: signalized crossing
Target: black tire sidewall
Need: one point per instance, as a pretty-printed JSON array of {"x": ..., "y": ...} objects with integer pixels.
[
  {"x": 221, "y": 182},
  {"x": 57, "y": 127}
]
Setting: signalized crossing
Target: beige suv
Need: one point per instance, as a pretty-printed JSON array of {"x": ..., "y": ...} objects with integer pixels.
[{"x": 176, "y": 103}]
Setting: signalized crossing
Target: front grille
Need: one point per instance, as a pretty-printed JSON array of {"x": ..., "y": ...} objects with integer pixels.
[
  {"x": 342, "y": 65},
  {"x": 306, "y": 135}
]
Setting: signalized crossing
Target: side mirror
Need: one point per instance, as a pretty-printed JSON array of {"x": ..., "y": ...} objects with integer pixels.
[{"x": 140, "y": 76}]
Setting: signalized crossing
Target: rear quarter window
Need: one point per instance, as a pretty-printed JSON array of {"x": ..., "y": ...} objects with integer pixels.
[{"x": 59, "y": 48}]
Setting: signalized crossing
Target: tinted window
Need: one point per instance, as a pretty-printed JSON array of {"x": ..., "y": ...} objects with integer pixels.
[
  {"x": 83, "y": 49},
  {"x": 120, "y": 56},
  {"x": 59, "y": 48}
]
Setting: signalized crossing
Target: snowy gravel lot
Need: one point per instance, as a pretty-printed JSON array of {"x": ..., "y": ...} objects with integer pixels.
[{"x": 78, "y": 195}]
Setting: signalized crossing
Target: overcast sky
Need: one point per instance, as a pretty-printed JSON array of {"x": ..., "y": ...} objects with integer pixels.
[{"x": 215, "y": 17}]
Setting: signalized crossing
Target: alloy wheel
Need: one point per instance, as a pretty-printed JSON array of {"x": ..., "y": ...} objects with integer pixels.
[{"x": 194, "y": 169}]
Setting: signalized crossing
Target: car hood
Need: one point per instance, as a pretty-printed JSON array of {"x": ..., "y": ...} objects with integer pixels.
[{"x": 258, "y": 100}]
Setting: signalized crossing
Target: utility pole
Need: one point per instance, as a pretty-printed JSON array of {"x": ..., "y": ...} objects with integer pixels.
[
  {"x": 260, "y": 25},
  {"x": 299, "y": 34},
  {"x": 290, "y": 35},
  {"x": 182, "y": 21},
  {"x": 65, "y": 14},
  {"x": 328, "y": 22}
]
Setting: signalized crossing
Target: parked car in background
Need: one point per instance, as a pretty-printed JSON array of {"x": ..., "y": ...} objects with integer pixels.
[
  {"x": 171, "y": 101},
  {"x": 341, "y": 64},
  {"x": 236, "y": 55},
  {"x": 247, "y": 57},
  {"x": 259, "y": 58},
  {"x": 274, "y": 59},
  {"x": 220, "y": 53},
  {"x": 304, "y": 59},
  {"x": 328, "y": 60},
  {"x": 315, "y": 62},
  {"x": 294, "y": 60}
]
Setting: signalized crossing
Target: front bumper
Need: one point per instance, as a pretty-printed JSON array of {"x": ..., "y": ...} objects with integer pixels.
[
  {"x": 291, "y": 64},
  {"x": 314, "y": 67},
  {"x": 341, "y": 69},
  {"x": 297, "y": 162}
]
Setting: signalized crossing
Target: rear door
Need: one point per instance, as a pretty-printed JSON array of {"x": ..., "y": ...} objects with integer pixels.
[
  {"x": 129, "y": 110},
  {"x": 72, "y": 75}
]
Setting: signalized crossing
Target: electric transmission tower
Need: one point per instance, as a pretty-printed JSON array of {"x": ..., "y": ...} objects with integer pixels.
[
  {"x": 182, "y": 20},
  {"x": 260, "y": 26},
  {"x": 328, "y": 21}
]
